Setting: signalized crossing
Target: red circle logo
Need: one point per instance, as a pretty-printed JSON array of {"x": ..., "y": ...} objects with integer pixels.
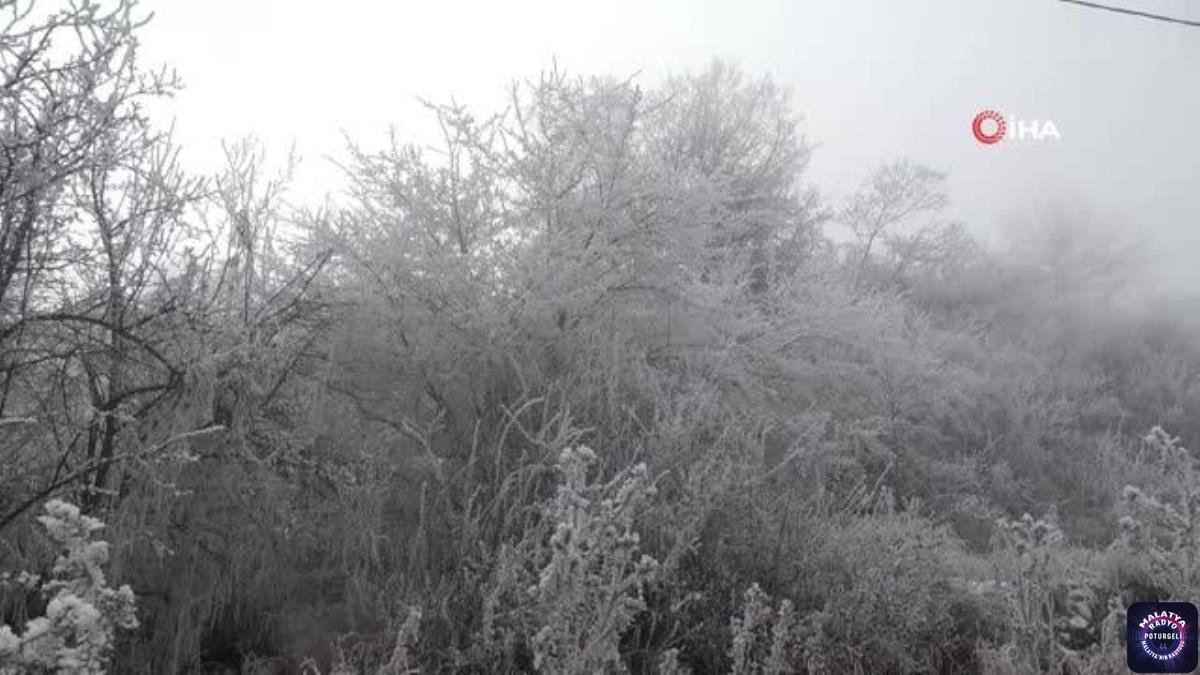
[{"x": 995, "y": 136}]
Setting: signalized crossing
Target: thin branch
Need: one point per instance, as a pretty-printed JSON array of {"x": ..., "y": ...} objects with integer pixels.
[
  {"x": 91, "y": 467},
  {"x": 1134, "y": 12}
]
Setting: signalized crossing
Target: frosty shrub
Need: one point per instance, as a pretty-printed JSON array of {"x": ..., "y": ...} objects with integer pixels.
[
  {"x": 76, "y": 633},
  {"x": 765, "y": 641},
  {"x": 574, "y": 592},
  {"x": 880, "y": 586},
  {"x": 1049, "y": 592},
  {"x": 1159, "y": 521}
]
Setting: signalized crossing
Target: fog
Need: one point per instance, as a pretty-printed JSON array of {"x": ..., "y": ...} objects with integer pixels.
[
  {"x": 875, "y": 80},
  {"x": 625, "y": 337}
]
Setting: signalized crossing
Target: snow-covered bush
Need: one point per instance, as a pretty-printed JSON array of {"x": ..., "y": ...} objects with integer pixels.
[
  {"x": 570, "y": 589},
  {"x": 592, "y": 586},
  {"x": 765, "y": 641},
  {"x": 76, "y": 633},
  {"x": 1158, "y": 521}
]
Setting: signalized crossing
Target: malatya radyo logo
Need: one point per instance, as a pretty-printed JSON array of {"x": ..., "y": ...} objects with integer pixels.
[
  {"x": 990, "y": 127},
  {"x": 1161, "y": 637}
]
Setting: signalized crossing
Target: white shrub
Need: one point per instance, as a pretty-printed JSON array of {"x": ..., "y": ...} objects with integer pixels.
[{"x": 76, "y": 633}]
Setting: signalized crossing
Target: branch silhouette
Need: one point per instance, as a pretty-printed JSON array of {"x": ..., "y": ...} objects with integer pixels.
[{"x": 1134, "y": 12}]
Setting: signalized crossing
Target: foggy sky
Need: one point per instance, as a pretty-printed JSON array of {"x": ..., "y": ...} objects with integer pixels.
[{"x": 875, "y": 80}]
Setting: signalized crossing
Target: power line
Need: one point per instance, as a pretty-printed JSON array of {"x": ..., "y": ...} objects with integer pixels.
[{"x": 1134, "y": 12}]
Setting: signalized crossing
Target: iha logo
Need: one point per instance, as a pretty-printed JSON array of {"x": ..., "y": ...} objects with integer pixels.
[
  {"x": 1161, "y": 637},
  {"x": 990, "y": 127}
]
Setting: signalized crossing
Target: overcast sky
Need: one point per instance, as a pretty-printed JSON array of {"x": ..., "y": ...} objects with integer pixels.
[{"x": 875, "y": 80}]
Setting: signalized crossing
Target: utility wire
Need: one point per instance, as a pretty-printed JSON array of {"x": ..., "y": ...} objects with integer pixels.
[{"x": 1134, "y": 12}]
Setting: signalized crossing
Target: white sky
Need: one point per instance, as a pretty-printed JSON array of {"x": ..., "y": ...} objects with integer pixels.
[{"x": 875, "y": 79}]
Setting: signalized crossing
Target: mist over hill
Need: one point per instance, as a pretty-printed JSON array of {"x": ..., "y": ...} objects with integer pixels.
[{"x": 709, "y": 368}]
